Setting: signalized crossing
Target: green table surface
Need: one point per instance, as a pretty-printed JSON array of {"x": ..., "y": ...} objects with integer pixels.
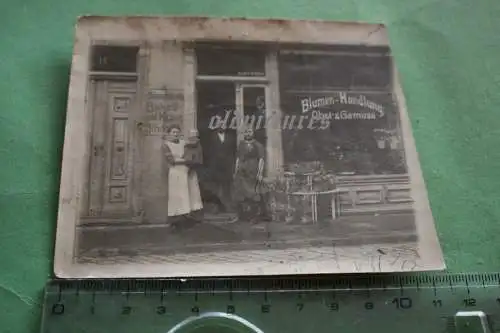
[{"x": 448, "y": 54}]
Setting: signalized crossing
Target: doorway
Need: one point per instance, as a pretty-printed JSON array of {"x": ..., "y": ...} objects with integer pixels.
[
  {"x": 224, "y": 109},
  {"x": 110, "y": 192}
]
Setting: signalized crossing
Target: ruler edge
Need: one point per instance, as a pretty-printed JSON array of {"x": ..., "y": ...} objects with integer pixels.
[{"x": 277, "y": 284}]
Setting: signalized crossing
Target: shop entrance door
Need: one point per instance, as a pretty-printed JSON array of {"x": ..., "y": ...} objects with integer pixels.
[{"x": 231, "y": 105}]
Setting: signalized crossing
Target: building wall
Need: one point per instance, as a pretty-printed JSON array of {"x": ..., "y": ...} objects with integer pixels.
[{"x": 163, "y": 105}]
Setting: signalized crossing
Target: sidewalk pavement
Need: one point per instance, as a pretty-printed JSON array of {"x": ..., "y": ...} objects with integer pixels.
[{"x": 216, "y": 236}]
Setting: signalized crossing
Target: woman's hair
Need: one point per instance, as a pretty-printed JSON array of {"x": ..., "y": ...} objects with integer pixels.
[{"x": 171, "y": 127}]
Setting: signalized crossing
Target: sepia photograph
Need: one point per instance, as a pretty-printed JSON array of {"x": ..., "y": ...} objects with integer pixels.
[{"x": 234, "y": 147}]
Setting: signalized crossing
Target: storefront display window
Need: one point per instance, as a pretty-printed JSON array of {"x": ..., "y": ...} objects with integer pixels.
[
  {"x": 335, "y": 71},
  {"x": 351, "y": 120}
]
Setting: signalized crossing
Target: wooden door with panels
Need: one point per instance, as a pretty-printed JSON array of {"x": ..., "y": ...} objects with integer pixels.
[
  {"x": 111, "y": 149},
  {"x": 112, "y": 106}
]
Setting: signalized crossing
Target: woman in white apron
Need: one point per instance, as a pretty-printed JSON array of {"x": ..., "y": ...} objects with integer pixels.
[{"x": 183, "y": 188}]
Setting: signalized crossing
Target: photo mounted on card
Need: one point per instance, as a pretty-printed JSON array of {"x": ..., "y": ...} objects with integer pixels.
[{"x": 236, "y": 147}]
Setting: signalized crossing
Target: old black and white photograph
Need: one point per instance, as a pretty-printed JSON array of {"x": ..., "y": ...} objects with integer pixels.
[{"x": 217, "y": 147}]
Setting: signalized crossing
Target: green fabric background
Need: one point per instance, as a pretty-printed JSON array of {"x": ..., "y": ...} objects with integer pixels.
[{"x": 448, "y": 53}]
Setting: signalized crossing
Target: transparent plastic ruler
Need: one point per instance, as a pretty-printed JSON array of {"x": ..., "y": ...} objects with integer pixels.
[{"x": 462, "y": 303}]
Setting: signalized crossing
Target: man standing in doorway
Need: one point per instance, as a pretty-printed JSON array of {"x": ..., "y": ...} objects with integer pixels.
[{"x": 220, "y": 163}]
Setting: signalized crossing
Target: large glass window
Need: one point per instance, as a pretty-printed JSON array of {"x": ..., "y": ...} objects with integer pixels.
[
  {"x": 350, "y": 119},
  {"x": 342, "y": 71}
]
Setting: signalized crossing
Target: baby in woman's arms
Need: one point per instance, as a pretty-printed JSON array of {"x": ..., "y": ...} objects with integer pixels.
[{"x": 193, "y": 153}]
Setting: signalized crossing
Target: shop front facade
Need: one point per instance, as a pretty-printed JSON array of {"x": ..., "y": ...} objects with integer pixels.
[{"x": 313, "y": 108}]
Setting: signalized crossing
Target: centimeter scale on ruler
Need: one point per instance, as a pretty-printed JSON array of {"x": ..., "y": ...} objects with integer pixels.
[{"x": 380, "y": 303}]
